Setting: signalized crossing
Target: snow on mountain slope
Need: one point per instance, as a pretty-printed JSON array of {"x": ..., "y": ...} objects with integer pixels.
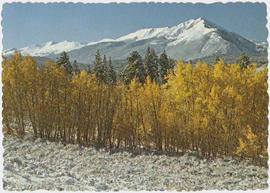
[
  {"x": 101, "y": 41},
  {"x": 48, "y": 48},
  {"x": 191, "y": 29},
  {"x": 261, "y": 46},
  {"x": 195, "y": 38}
]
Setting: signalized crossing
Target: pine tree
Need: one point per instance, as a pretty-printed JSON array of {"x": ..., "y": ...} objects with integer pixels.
[
  {"x": 244, "y": 60},
  {"x": 63, "y": 60},
  {"x": 88, "y": 69},
  {"x": 171, "y": 64},
  {"x": 99, "y": 66},
  {"x": 105, "y": 67},
  {"x": 151, "y": 64},
  {"x": 164, "y": 66},
  {"x": 111, "y": 73},
  {"x": 75, "y": 67},
  {"x": 97, "y": 62},
  {"x": 135, "y": 68},
  {"x": 121, "y": 73}
]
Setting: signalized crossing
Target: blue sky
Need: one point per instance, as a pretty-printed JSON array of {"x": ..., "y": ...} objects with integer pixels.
[{"x": 26, "y": 24}]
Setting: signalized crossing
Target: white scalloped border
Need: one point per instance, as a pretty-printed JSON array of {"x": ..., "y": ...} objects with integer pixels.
[{"x": 267, "y": 2}]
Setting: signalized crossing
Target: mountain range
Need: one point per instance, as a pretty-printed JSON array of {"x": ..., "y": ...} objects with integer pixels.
[{"x": 193, "y": 39}]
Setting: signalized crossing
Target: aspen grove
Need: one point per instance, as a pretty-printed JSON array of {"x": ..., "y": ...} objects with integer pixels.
[{"x": 218, "y": 110}]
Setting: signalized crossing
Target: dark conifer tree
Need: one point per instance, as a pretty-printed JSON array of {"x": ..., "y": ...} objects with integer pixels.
[
  {"x": 63, "y": 60},
  {"x": 88, "y": 69},
  {"x": 171, "y": 63},
  {"x": 135, "y": 68},
  {"x": 111, "y": 73},
  {"x": 99, "y": 67},
  {"x": 75, "y": 67},
  {"x": 121, "y": 73},
  {"x": 164, "y": 66},
  {"x": 105, "y": 67},
  {"x": 151, "y": 64}
]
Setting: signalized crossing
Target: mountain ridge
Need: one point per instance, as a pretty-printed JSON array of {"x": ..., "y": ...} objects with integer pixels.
[{"x": 195, "y": 38}]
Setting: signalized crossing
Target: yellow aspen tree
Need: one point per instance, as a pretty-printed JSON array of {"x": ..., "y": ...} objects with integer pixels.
[
  {"x": 7, "y": 113},
  {"x": 16, "y": 91},
  {"x": 32, "y": 86},
  {"x": 152, "y": 98}
]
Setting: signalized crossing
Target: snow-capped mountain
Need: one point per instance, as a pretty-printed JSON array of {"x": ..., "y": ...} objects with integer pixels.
[
  {"x": 191, "y": 29},
  {"x": 195, "y": 38},
  {"x": 48, "y": 48}
]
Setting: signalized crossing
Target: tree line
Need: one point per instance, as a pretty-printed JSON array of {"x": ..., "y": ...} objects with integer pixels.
[
  {"x": 151, "y": 65},
  {"x": 218, "y": 110}
]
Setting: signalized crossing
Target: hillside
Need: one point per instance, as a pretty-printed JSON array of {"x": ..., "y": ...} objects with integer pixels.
[{"x": 195, "y": 38}]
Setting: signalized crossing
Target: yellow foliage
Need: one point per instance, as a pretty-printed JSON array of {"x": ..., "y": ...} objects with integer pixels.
[
  {"x": 248, "y": 146},
  {"x": 219, "y": 110}
]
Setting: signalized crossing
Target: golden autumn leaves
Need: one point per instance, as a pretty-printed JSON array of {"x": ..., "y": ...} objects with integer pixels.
[
  {"x": 216, "y": 111},
  {"x": 222, "y": 103}
]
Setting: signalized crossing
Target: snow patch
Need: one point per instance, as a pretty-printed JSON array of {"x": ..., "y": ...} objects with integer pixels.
[
  {"x": 48, "y": 48},
  {"x": 101, "y": 41}
]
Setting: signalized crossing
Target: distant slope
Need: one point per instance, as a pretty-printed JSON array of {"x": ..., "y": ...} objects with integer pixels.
[
  {"x": 259, "y": 58},
  {"x": 47, "y": 49},
  {"x": 195, "y": 38}
]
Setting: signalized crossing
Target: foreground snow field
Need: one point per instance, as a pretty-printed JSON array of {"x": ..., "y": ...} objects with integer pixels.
[{"x": 38, "y": 164}]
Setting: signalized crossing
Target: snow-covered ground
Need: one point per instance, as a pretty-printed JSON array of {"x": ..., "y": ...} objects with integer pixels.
[{"x": 38, "y": 164}]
